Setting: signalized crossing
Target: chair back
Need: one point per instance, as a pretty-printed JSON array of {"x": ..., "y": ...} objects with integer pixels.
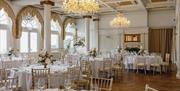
[
  {"x": 107, "y": 64},
  {"x": 167, "y": 57},
  {"x": 103, "y": 84},
  {"x": 40, "y": 74},
  {"x": 140, "y": 60},
  {"x": 3, "y": 74},
  {"x": 119, "y": 58},
  {"x": 56, "y": 80},
  {"x": 147, "y": 88},
  {"x": 73, "y": 73},
  {"x": 85, "y": 67},
  {"x": 10, "y": 83}
]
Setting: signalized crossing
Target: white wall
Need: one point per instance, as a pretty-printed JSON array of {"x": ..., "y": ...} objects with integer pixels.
[
  {"x": 161, "y": 19},
  {"x": 110, "y": 38}
]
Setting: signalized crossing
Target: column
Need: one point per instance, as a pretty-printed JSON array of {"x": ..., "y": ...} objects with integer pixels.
[
  {"x": 178, "y": 37},
  {"x": 96, "y": 33},
  {"x": 87, "y": 31},
  {"x": 122, "y": 39},
  {"x": 61, "y": 46},
  {"x": 47, "y": 24}
]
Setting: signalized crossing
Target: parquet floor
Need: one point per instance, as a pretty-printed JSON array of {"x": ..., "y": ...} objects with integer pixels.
[{"x": 131, "y": 81}]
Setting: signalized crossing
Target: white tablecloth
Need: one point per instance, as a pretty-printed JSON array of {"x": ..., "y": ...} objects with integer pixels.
[
  {"x": 25, "y": 76},
  {"x": 148, "y": 60},
  {"x": 96, "y": 64},
  {"x": 12, "y": 63}
]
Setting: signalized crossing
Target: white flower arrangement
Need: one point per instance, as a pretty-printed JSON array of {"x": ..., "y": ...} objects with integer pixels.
[{"x": 45, "y": 57}]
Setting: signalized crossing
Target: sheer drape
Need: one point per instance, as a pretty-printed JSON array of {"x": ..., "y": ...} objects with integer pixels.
[
  {"x": 160, "y": 41},
  {"x": 65, "y": 23}
]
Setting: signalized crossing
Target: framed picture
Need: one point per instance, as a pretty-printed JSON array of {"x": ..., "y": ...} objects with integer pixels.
[{"x": 132, "y": 38}]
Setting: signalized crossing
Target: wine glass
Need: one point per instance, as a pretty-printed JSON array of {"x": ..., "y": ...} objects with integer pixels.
[
  {"x": 41, "y": 84},
  {"x": 67, "y": 84}
]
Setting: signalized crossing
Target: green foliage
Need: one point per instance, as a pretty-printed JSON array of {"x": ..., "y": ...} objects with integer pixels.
[
  {"x": 80, "y": 42},
  {"x": 133, "y": 49}
]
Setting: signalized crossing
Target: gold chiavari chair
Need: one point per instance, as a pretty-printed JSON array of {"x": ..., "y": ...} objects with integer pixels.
[
  {"x": 165, "y": 65},
  {"x": 155, "y": 67},
  {"x": 56, "y": 80},
  {"x": 117, "y": 68},
  {"x": 106, "y": 71},
  {"x": 86, "y": 69},
  {"x": 3, "y": 74},
  {"x": 74, "y": 73},
  {"x": 40, "y": 74},
  {"x": 147, "y": 88},
  {"x": 12, "y": 84},
  {"x": 141, "y": 64},
  {"x": 75, "y": 76},
  {"x": 103, "y": 84}
]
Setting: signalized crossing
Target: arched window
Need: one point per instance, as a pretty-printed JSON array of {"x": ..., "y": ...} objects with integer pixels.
[
  {"x": 55, "y": 28},
  {"x": 5, "y": 23},
  {"x": 70, "y": 36},
  {"x": 29, "y": 38}
]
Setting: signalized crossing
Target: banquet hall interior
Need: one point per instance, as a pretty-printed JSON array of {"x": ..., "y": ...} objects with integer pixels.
[{"x": 89, "y": 45}]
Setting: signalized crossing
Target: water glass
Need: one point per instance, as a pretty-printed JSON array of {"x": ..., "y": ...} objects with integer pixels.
[
  {"x": 41, "y": 84},
  {"x": 67, "y": 84}
]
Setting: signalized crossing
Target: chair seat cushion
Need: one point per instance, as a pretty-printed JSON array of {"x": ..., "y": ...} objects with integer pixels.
[
  {"x": 165, "y": 64},
  {"x": 141, "y": 64},
  {"x": 155, "y": 65}
]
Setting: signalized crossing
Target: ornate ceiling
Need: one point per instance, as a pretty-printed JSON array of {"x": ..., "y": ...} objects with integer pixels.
[{"x": 108, "y": 6}]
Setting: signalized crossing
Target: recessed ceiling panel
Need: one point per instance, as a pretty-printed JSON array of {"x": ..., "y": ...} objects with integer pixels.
[{"x": 154, "y": 1}]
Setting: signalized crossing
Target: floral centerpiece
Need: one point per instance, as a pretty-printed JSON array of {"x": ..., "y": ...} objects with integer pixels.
[
  {"x": 93, "y": 52},
  {"x": 79, "y": 42},
  {"x": 11, "y": 53},
  {"x": 45, "y": 58}
]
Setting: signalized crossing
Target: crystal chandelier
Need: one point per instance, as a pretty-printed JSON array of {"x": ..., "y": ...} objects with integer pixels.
[
  {"x": 120, "y": 21},
  {"x": 81, "y": 6}
]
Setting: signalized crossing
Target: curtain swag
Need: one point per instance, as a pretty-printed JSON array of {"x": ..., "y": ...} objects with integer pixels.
[
  {"x": 24, "y": 12},
  {"x": 4, "y": 5},
  {"x": 65, "y": 23}
]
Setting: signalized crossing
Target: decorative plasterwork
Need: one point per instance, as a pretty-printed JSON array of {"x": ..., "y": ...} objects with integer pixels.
[
  {"x": 65, "y": 23},
  {"x": 24, "y": 12},
  {"x": 4, "y": 5}
]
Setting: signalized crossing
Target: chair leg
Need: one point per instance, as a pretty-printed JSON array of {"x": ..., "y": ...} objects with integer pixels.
[
  {"x": 153, "y": 70},
  {"x": 145, "y": 70},
  {"x": 137, "y": 70},
  {"x": 160, "y": 70}
]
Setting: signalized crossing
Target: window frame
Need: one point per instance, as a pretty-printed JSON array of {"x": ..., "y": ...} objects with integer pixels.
[
  {"x": 55, "y": 32},
  {"x": 30, "y": 30},
  {"x": 7, "y": 28}
]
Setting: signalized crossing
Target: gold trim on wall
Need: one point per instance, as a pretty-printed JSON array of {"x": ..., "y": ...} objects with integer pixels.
[
  {"x": 4, "y": 5},
  {"x": 65, "y": 23},
  {"x": 132, "y": 38},
  {"x": 24, "y": 12},
  {"x": 56, "y": 17}
]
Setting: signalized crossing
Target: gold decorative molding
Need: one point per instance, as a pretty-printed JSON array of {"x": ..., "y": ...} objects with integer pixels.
[
  {"x": 96, "y": 19},
  {"x": 4, "y": 5},
  {"x": 56, "y": 17},
  {"x": 65, "y": 23},
  {"x": 49, "y": 2},
  {"x": 24, "y": 12},
  {"x": 87, "y": 16}
]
